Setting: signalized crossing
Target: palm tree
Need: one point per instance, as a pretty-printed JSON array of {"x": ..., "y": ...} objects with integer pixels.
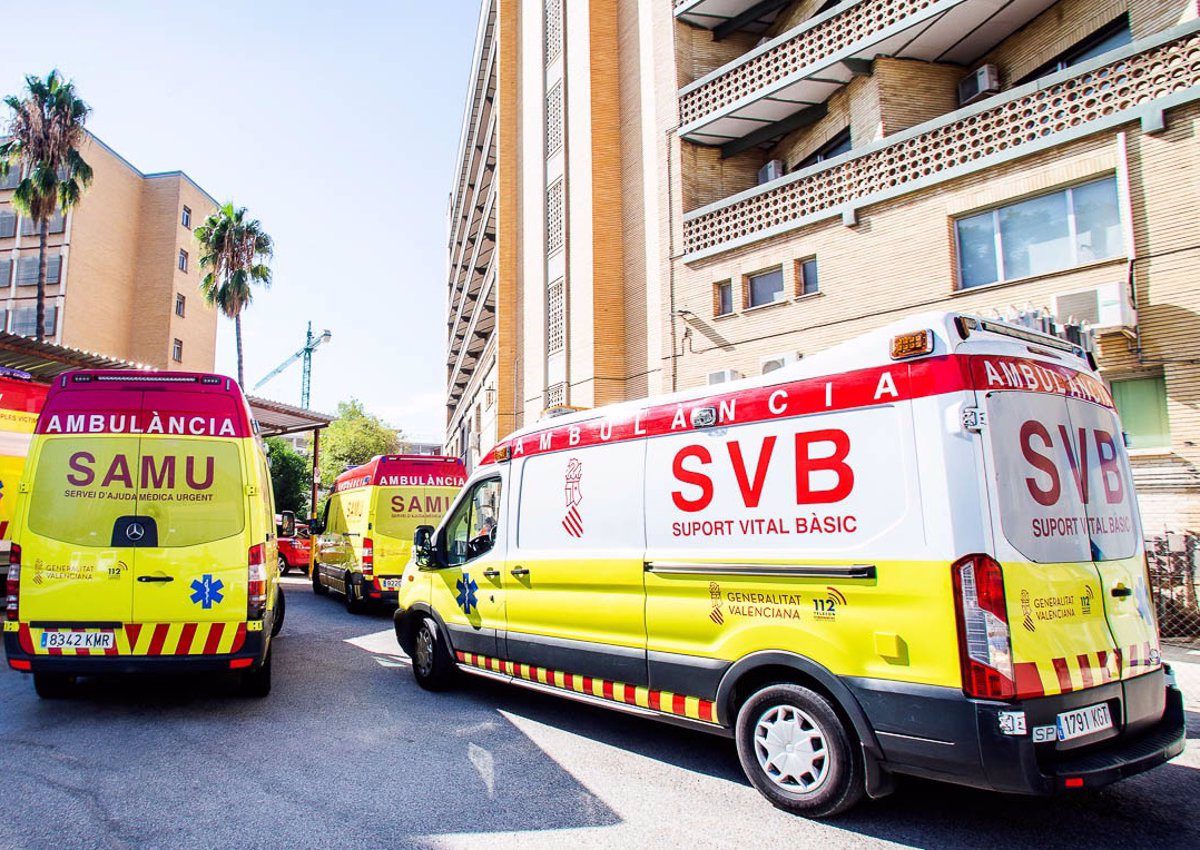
[
  {"x": 45, "y": 132},
  {"x": 235, "y": 251}
]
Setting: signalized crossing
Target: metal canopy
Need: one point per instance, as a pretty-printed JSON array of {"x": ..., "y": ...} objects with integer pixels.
[
  {"x": 275, "y": 418},
  {"x": 45, "y": 361},
  {"x": 952, "y": 31}
]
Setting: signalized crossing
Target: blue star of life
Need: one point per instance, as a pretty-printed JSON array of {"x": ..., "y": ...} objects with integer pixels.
[
  {"x": 466, "y": 593},
  {"x": 207, "y": 591}
]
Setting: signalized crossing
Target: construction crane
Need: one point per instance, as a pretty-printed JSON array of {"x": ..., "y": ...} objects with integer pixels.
[{"x": 304, "y": 354}]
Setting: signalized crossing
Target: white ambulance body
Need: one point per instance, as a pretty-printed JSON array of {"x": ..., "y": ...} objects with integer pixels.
[{"x": 917, "y": 552}]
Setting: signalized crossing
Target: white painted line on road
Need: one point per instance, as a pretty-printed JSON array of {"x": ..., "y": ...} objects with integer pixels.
[
  {"x": 382, "y": 644},
  {"x": 485, "y": 765}
]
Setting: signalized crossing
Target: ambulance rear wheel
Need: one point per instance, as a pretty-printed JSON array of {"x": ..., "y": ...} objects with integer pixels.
[
  {"x": 318, "y": 588},
  {"x": 280, "y": 611},
  {"x": 431, "y": 663},
  {"x": 354, "y": 598},
  {"x": 53, "y": 685},
  {"x": 797, "y": 752}
]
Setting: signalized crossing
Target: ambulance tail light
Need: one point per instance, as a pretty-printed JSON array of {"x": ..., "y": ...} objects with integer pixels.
[
  {"x": 12, "y": 602},
  {"x": 256, "y": 587},
  {"x": 984, "y": 642},
  {"x": 368, "y": 558}
]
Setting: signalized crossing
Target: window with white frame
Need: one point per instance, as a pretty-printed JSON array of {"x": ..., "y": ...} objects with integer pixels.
[
  {"x": 764, "y": 287},
  {"x": 27, "y": 270},
  {"x": 1047, "y": 233},
  {"x": 24, "y": 320},
  {"x": 186, "y": 218},
  {"x": 183, "y": 260},
  {"x": 177, "y": 351},
  {"x": 180, "y": 304}
]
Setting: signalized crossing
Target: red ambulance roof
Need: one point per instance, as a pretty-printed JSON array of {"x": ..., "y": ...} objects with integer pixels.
[
  {"x": 192, "y": 404},
  {"x": 404, "y": 471}
]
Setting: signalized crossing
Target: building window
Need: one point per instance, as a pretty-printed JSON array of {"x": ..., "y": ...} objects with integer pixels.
[
  {"x": 180, "y": 305},
  {"x": 839, "y": 144},
  {"x": 27, "y": 270},
  {"x": 1142, "y": 404},
  {"x": 1109, "y": 37},
  {"x": 6, "y": 273},
  {"x": 554, "y": 29},
  {"x": 1071, "y": 227},
  {"x": 177, "y": 351},
  {"x": 555, "y": 223},
  {"x": 554, "y": 119},
  {"x": 556, "y": 394},
  {"x": 764, "y": 288},
  {"x": 723, "y": 298},
  {"x": 806, "y": 277},
  {"x": 29, "y": 227},
  {"x": 186, "y": 218},
  {"x": 183, "y": 260},
  {"x": 24, "y": 320},
  {"x": 12, "y": 179},
  {"x": 555, "y": 318},
  {"x": 8, "y": 224}
]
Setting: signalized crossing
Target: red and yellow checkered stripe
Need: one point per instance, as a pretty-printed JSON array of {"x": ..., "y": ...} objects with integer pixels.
[
  {"x": 147, "y": 639},
  {"x": 1077, "y": 673},
  {"x": 665, "y": 702}
]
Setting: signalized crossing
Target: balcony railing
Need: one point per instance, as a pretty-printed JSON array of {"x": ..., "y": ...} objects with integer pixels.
[
  {"x": 807, "y": 64},
  {"x": 1137, "y": 81},
  {"x": 745, "y": 15}
]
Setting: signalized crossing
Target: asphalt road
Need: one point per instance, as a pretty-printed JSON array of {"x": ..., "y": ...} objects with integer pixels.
[{"x": 348, "y": 752}]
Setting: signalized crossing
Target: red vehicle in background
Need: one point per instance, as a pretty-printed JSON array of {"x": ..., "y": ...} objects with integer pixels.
[{"x": 295, "y": 544}]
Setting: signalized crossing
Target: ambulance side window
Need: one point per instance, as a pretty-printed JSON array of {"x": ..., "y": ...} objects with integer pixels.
[{"x": 472, "y": 528}]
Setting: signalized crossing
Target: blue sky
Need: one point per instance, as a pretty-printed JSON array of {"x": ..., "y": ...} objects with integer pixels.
[{"x": 336, "y": 125}]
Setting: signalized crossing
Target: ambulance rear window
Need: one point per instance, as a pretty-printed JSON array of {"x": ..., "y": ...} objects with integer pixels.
[
  {"x": 193, "y": 490},
  {"x": 82, "y": 486},
  {"x": 1062, "y": 477},
  {"x": 399, "y": 510}
]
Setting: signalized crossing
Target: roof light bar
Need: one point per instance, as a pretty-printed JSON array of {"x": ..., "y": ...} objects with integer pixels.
[{"x": 969, "y": 323}]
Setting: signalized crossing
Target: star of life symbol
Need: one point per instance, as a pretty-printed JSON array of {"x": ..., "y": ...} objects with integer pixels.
[
  {"x": 573, "y": 521},
  {"x": 207, "y": 591},
  {"x": 466, "y": 593}
]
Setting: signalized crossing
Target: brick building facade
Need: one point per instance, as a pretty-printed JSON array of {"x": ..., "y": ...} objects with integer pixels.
[{"x": 700, "y": 189}]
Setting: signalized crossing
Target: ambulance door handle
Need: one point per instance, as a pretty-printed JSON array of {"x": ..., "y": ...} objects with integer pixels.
[
  {"x": 490, "y": 573},
  {"x": 1119, "y": 590},
  {"x": 519, "y": 571},
  {"x": 156, "y": 578}
]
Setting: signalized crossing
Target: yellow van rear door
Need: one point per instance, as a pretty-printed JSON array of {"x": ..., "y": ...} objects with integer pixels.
[
  {"x": 78, "y": 561},
  {"x": 193, "y": 498},
  {"x": 1061, "y": 640}
]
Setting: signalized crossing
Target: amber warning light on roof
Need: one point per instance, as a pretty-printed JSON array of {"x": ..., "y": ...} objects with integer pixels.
[{"x": 912, "y": 344}]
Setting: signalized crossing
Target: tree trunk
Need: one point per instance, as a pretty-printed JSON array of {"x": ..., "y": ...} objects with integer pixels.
[
  {"x": 43, "y": 234},
  {"x": 237, "y": 330}
]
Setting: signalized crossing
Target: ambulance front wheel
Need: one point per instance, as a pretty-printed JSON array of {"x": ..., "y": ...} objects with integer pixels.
[
  {"x": 355, "y": 603},
  {"x": 431, "y": 663},
  {"x": 53, "y": 685},
  {"x": 797, "y": 752}
]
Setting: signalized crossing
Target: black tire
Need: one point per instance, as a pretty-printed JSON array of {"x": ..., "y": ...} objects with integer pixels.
[
  {"x": 836, "y": 779},
  {"x": 53, "y": 685},
  {"x": 256, "y": 684},
  {"x": 432, "y": 664},
  {"x": 355, "y": 603},
  {"x": 318, "y": 588},
  {"x": 284, "y": 566},
  {"x": 280, "y": 612}
]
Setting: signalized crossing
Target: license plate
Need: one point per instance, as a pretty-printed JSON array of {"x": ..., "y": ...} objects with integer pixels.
[
  {"x": 1084, "y": 721},
  {"x": 392, "y": 583},
  {"x": 78, "y": 640}
]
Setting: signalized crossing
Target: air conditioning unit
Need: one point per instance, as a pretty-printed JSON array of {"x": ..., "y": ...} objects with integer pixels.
[
  {"x": 1104, "y": 308},
  {"x": 724, "y": 376},
  {"x": 773, "y": 170},
  {"x": 778, "y": 361},
  {"x": 983, "y": 82}
]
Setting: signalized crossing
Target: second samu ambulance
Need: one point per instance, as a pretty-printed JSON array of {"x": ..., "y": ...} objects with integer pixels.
[
  {"x": 917, "y": 553},
  {"x": 367, "y": 527},
  {"x": 144, "y": 534}
]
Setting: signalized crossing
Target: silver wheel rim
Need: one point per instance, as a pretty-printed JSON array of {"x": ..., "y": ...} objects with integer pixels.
[
  {"x": 791, "y": 749},
  {"x": 424, "y": 652}
]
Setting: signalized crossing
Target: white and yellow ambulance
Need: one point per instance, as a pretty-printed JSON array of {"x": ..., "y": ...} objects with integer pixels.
[
  {"x": 917, "y": 553},
  {"x": 367, "y": 525},
  {"x": 143, "y": 538}
]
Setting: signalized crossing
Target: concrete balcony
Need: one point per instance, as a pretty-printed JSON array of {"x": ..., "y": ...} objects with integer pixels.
[
  {"x": 804, "y": 66},
  {"x": 725, "y": 16},
  {"x": 1138, "y": 82}
]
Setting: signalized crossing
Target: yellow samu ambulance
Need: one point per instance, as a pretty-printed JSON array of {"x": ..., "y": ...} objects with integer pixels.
[
  {"x": 143, "y": 534},
  {"x": 367, "y": 526},
  {"x": 917, "y": 553}
]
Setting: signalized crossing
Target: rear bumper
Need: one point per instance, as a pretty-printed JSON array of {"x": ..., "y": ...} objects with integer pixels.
[
  {"x": 374, "y": 590},
  {"x": 253, "y": 650},
  {"x": 940, "y": 734}
]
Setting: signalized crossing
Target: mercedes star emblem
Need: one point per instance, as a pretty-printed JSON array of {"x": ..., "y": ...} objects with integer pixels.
[{"x": 135, "y": 531}]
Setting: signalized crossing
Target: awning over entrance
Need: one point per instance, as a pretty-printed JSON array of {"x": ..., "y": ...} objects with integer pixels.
[{"x": 275, "y": 418}]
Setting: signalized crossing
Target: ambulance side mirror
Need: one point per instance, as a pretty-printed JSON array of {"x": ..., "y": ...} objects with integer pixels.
[{"x": 424, "y": 550}]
